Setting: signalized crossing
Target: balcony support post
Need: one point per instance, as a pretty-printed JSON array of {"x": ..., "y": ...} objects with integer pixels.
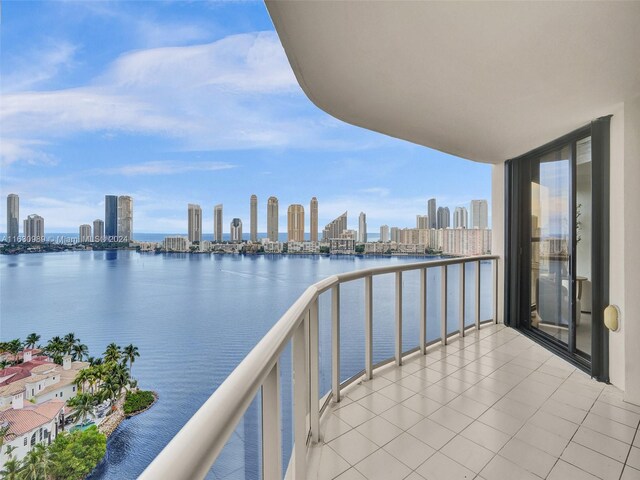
[
  {"x": 443, "y": 304},
  {"x": 478, "y": 265},
  {"x": 314, "y": 357},
  {"x": 398, "y": 319},
  {"x": 495, "y": 291},
  {"x": 461, "y": 300},
  {"x": 368, "y": 327},
  {"x": 271, "y": 428},
  {"x": 423, "y": 311},
  {"x": 300, "y": 403},
  {"x": 335, "y": 342}
]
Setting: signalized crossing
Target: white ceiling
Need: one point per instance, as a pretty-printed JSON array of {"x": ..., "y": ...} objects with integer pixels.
[{"x": 485, "y": 81}]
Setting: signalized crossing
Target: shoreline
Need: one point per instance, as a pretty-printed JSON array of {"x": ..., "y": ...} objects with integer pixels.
[{"x": 113, "y": 421}]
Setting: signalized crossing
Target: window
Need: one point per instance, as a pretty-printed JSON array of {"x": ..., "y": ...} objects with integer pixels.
[
  {"x": 25, "y": 442},
  {"x": 74, "y": 389}
]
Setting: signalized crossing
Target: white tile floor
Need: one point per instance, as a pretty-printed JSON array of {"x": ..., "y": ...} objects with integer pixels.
[{"x": 491, "y": 406}]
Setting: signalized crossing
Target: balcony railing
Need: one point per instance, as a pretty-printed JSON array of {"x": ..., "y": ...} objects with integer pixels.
[{"x": 195, "y": 448}]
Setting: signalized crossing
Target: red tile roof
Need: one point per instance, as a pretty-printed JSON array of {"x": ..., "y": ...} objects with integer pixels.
[{"x": 29, "y": 418}]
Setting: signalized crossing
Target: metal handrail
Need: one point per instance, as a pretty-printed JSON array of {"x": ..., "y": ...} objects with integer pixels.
[{"x": 194, "y": 449}]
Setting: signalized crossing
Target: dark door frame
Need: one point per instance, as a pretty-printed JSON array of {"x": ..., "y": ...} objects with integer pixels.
[{"x": 517, "y": 286}]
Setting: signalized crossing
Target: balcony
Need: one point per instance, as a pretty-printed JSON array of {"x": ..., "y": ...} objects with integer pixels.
[{"x": 479, "y": 401}]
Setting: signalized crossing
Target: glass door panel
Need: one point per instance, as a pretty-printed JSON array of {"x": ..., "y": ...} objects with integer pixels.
[
  {"x": 584, "y": 224},
  {"x": 551, "y": 245}
]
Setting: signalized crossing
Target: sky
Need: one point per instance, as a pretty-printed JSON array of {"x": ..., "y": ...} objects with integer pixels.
[{"x": 190, "y": 102}]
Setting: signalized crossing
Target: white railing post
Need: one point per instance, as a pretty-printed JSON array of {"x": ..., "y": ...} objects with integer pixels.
[
  {"x": 368, "y": 327},
  {"x": 495, "y": 291},
  {"x": 398, "y": 318},
  {"x": 271, "y": 428},
  {"x": 423, "y": 311},
  {"x": 314, "y": 361},
  {"x": 443, "y": 304},
  {"x": 478, "y": 295},
  {"x": 461, "y": 303},
  {"x": 335, "y": 342},
  {"x": 299, "y": 404}
]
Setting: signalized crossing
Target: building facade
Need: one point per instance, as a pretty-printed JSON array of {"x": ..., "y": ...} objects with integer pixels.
[
  {"x": 313, "y": 220},
  {"x": 110, "y": 217},
  {"x": 272, "y": 219},
  {"x": 295, "y": 223},
  {"x": 98, "y": 230},
  {"x": 236, "y": 230},
  {"x": 362, "y": 228},
  {"x": 175, "y": 244},
  {"x": 432, "y": 213},
  {"x": 384, "y": 233},
  {"x": 444, "y": 217},
  {"x": 13, "y": 215},
  {"x": 460, "y": 218},
  {"x": 217, "y": 223},
  {"x": 422, "y": 221},
  {"x": 253, "y": 218},
  {"x": 479, "y": 214},
  {"x": 34, "y": 228},
  {"x": 194, "y": 223},
  {"x": 125, "y": 218},
  {"x": 335, "y": 228},
  {"x": 84, "y": 234}
]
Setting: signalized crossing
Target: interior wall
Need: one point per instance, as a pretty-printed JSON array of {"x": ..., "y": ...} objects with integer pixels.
[
  {"x": 631, "y": 248},
  {"x": 497, "y": 229}
]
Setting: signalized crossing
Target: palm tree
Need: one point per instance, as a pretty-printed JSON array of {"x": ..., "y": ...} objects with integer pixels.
[
  {"x": 121, "y": 375},
  {"x": 55, "y": 346},
  {"x": 130, "y": 352},
  {"x": 4, "y": 430},
  {"x": 14, "y": 347},
  {"x": 4, "y": 364},
  {"x": 83, "y": 404},
  {"x": 31, "y": 466},
  {"x": 11, "y": 470},
  {"x": 70, "y": 340},
  {"x": 82, "y": 378},
  {"x": 110, "y": 389},
  {"x": 80, "y": 350},
  {"x": 112, "y": 353},
  {"x": 31, "y": 340},
  {"x": 9, "y": 451}
]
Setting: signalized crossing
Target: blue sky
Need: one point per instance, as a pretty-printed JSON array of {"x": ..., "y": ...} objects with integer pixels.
[{"x": 190, "y": 102}]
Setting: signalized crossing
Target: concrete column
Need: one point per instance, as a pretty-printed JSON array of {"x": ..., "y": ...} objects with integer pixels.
[{"x": 497, "y": 229}]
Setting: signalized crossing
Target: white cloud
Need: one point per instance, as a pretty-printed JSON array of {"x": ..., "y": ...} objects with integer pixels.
[{"x": 166, "y": 168}]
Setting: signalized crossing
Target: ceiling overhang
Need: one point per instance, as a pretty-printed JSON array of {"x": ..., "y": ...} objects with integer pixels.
[{"x": 485, "y": 81}]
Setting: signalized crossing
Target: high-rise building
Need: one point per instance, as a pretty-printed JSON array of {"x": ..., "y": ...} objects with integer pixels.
[
  {"x": 335, "y": 228},
  {"x": 125, "y": 218},
  {"x": 431, "y": 212},
  {"x": 98, "y": 230},
  {"x": 444, "y": 217},
  {"x": 236, "y": 230},
  {"x": 110, "y": 217},
  {"x": 384, "y": 233},
  {"x": 295, "y": 223},
  {"x": 422, "y": 221},
  {"x": 217, "y": 223},
  {"x": 395, "y": 234},
  {"x": 362, "y": 228},
  {"x": 272, "y": 219},
  {"x": 479, "y": 214},
  {"x": 195, "y": 223},
  {"x": 253, "y": 220},
  {"x": 460, "y": 218},
  {"x": 84, "y": 234},
  {"x": 313, "y": 220},
  {"x": 34, "y": 228},
  {"x": 13, "y": 217}
]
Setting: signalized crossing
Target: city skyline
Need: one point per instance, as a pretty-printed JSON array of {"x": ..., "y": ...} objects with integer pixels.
[{"x": 167, "y": 150}]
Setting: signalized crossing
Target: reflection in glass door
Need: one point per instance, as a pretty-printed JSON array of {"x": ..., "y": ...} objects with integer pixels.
[{"x": 551, "y": 245}]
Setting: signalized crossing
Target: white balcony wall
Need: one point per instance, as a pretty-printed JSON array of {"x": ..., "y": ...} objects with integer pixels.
[{"x": 497, "y": 226}]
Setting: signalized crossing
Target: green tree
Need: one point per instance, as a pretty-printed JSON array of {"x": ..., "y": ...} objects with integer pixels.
[
  {"x": 79, "y": 351},
  {"x": 14, "y": 347},
  {"x": 31, "y": 340},
  {"x": 112, "y": 353},
  {"x": 69, "y": 341},
  {"x": 130, "y": 352},
  {"x": 32, "y": 464},
  {"x": 4, "y": 430},
  {"x": 83, "y": 404},
  {"x": 11, "y": 470},
  {"x": 74, "y": 455}
]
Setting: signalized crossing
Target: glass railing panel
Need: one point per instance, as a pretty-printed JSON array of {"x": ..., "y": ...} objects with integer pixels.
[
  {"x": 383, "y": 317},
  {"x": 453, "y": 297},
  {"x": 470, "y": 293},
  {"x": 351, "y": 329},
  {"x": 286, "y": 404},
  {"x": 410, "y": 309},
  {"x": 241, "y": 457},
  {"x": 486, "y": 290},
  {"x": 324, "y": 347},
  {"x": 433, "y": 303}
]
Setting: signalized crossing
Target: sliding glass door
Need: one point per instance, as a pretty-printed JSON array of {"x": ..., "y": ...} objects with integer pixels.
[{"x": 557, "y": 245}]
